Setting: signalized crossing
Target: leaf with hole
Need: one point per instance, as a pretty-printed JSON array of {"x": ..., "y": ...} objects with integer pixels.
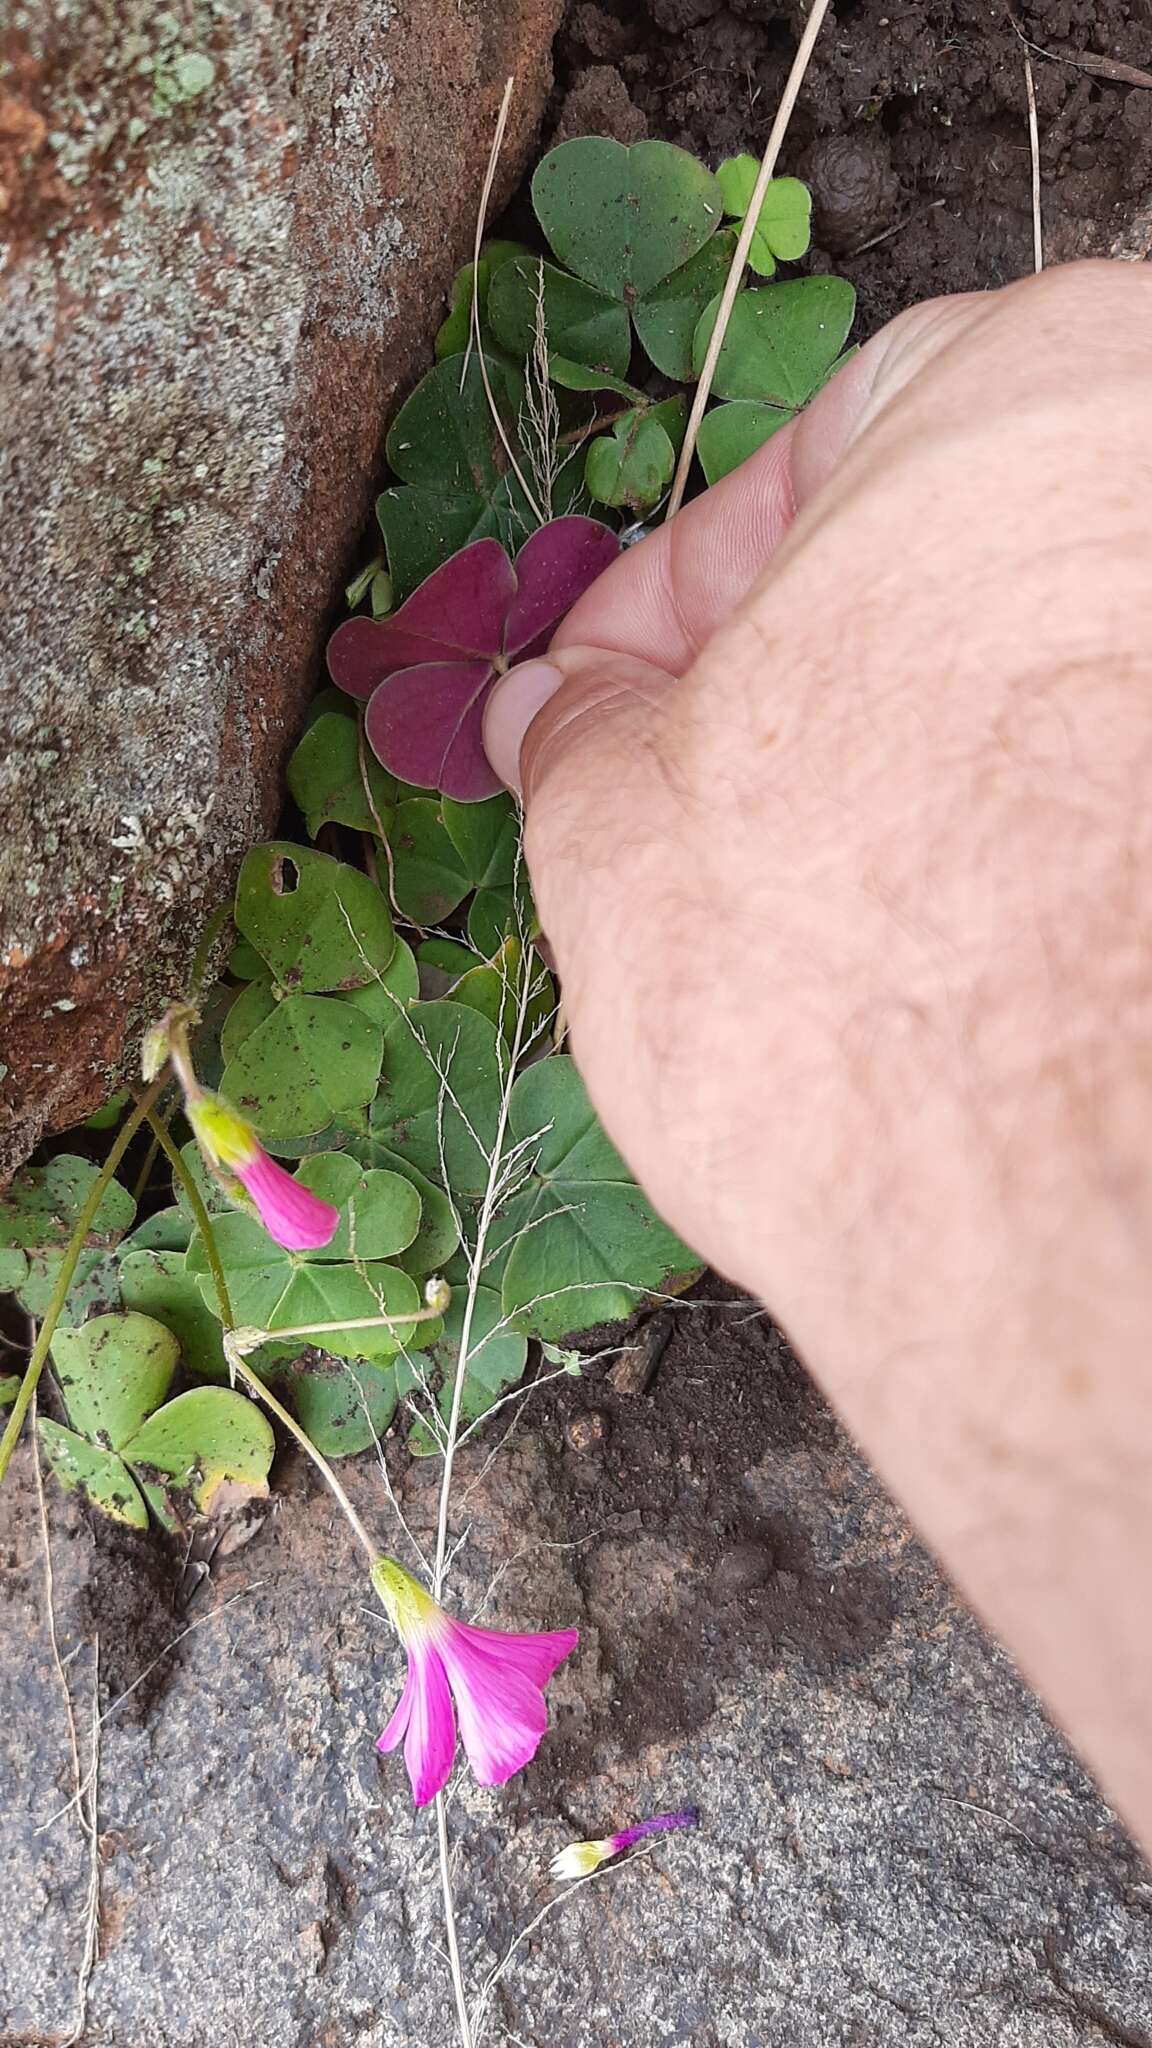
[
  {"x": 581, "y": 1244},
  {"x": 344, "y": 1406},
  {"x": 624, "y": 217},
  {"x": 327, "y": 775},
  {"x": 427, "y": 672},
  {"x": 318, "y": 923},
  {"x": 312, "y": 1059},
  {"x": 781, "y": 341},
  {"x": 204, "y": 1440},
  {"x": 633, "y": 466},
  {"x": 587, "y": 325},
  {"x": 666, "y": 318},
  {"x": 784, "y": 228},
  {"x": 729, "y": 434},
  {"x": 99, "y": 1474},
  {"x": 113, "y": 1372}
]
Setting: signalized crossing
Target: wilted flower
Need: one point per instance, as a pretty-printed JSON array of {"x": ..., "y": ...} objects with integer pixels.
[
  {"x": 580, "y": 1859},
  {"x": 490, "y": 1681},
  {"x": 290, "y": 1213}
]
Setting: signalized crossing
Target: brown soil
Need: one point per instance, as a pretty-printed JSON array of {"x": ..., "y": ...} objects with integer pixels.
[
  {"x": 912, "y": 118},
  {"x": 686, "y": 1581}
]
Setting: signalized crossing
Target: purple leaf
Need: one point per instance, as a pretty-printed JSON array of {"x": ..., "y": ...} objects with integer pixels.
[
  {"x": 459, "y": 609},
  {"x": 426, "y": 711},
  {"x": 555, "y": 566},
  {"x": 426, "y": 724}
]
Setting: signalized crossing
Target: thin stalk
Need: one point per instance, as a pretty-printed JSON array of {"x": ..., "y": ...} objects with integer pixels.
[
  {"x": 475, "y": 1268},
  {"x": 64, "y": 1278},
  {"x": 235, "y": 1358},
  {"x": 288, "y": 1421},
  {"x": 381, "y": 1322},
  {"x": 474, "y": 322},
  {"x": 740, "y": 257},
  {"x": 450, "y": 1923},
  {"x": 200, "y": 1216}
]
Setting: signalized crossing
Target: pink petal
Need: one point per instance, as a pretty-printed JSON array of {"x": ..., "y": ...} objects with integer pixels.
[
  {"x": 537, "y": 1656},
  {"x": 426, "y": 725},
  {"x": 397, "y": 1727},
  {"x": 499, "y": 1702},
  {"x": 430, "y": 1744},
  {"x": 291, "y": 1214},
  {"x": 555, "y": 566},
  {"x": 459, "y": 610}
]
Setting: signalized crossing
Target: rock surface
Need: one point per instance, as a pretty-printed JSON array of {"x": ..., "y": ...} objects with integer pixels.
[
  {"x": 895, "y": 1851},
  {"x": 225, "y": 233}
]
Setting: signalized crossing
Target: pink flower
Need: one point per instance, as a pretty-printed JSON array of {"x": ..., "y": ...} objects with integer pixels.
[
  {"x": 491, "y": 1682},
  {"x": 290, "y": 1213}
]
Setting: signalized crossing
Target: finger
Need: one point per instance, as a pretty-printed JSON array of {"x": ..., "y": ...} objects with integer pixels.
[{"x": 666, "y": 596}]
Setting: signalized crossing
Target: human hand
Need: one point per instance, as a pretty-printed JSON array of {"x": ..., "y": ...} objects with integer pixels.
[{"x": 837, "y": 817}]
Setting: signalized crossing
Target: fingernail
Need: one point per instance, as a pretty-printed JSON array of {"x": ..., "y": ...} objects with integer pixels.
[{"x": 509, "y": 712}]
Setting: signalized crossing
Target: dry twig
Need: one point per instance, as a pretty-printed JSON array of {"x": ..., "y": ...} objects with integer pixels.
[
  {"x": 740, "y": 257},
  {"x": 1034, "y": 146}
]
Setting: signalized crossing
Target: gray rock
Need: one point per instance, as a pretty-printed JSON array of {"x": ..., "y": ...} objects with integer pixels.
[
  {"x": 225, "y": 235},
  {"x": 896, "y": 1850}
]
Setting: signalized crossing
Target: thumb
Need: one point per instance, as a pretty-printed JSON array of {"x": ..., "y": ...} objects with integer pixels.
[
  {"x": 659, "y": 604},
  {"x": 605, "y": 699}
]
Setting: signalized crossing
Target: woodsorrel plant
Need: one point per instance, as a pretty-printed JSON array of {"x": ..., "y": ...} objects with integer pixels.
[{"x": 401, "y": 1185}]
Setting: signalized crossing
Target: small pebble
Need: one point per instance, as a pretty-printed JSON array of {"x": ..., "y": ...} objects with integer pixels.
[
  {"x": 739, "y": 1569},
  {"x": 589, "y": 1431}
]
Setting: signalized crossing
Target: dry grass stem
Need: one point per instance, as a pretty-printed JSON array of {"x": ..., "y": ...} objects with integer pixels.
[
  {"x": 474, "y": 324},
  {"x": 740, "y": 258},
  {"x": 1034, "y": 146}
]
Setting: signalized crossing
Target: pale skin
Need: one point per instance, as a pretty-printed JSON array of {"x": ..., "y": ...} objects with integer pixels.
[{"x": 837, "y": 798}]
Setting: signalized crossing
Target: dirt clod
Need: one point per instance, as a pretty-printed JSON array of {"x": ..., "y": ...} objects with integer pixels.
[{"x": 854, "y": 188}]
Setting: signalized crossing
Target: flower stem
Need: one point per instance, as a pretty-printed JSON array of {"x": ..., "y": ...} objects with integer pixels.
[
  {"x": 200, "y": 1216},
  {"x": 450, "y": 1923},
  {"x": 288, "y": 1421},
  {"x": 235, "y": 1358},
  {"x": 64, "y": 1278}
]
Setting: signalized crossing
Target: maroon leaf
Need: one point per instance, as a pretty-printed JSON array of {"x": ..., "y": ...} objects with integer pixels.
[
  {"x": 426, "y": 711},
  {"x": 555, "y": 566},
  {"x": 459, "y": 609},
  {"x": 425, "y": 724}
]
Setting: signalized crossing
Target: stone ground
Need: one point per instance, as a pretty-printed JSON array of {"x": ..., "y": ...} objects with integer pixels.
[{"x": 895, "y": 1846}]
